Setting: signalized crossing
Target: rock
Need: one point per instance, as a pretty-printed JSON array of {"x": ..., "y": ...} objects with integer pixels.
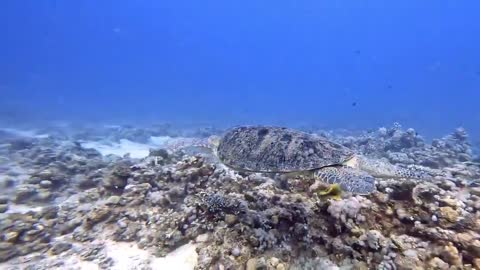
[
  {"x": 410, "y": 253},
  {"x": 45, "y": 184},
  {"x": 92, "y": 252},
  {"x": 128, "y": 231},
  {"x": 97, "y": 215},
  {"x": 114, "y": 182},
  {"x": 437, "y": 263},
  {"x": 89, "y": 195},
  {"x": 347, "y": 208},
  {"x": 448, "y": 202},
  {"x": 406, "y": 263},
  {"x": 474, "y": 248},
  {"x": 176, "y": 192},
  {"x": 374, "y": 239},
  {"x": 82, "y": 234},
  {"x": 360, "y": 266},
  {"x": 475, "y": 191},
  {"x": 449, "y": 214},
  {"x": 70, "y": 226},
  {"x": 43, "y": 195},
  {"x": 4, "y": 200},
  {"x": 256, "y": 264},
  {"x": 476, "y": 263},
  {"x": 451, "y": 255},
  {"x": 118, "y": 177},
  {"x": 49, "y": 212},
  {"x": 89, "y": 181},
  {"x": 46, "y": 174},
  {"x": 281, "y": 266},
  {"x": 158, "y": 198},
  {"x": 230, "y": 219},
  {"x": 36, "y": 231},
  {"x": 261, "y": 264},
  {"x": 202, "y": 238},
  {"x": 135, "y": 194},
  {"x": 3, "y": 208},
  {"x": 60, "y": 247},
  {"x": 403, "y": 214},
  {"x": 396, "y": 157},
  {"x": 424, "y": 193},
  {"x": 251, "y": 264},
  {"x": 477, "y": 205},
  {"x": 274, "y": 261},
  {"x": 236, "y": 251},
  {"x": 464, "y": 238},
  {"x": 382, "y": 132},
  {"x": 7, "y": 251},
  {"x": 136, "y": 190},
  {"x": 275, "y": 219},
  {"x": 7, "y": 183},
  {"x": 122, "y": 223},
  {"x": 24, "y": 192},
  {"x": 10, "y": 237},
  {"x": 113, "y": 200},
  {"x": 253, "y": 241}
]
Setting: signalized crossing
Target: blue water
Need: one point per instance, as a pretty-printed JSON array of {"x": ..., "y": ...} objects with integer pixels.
[{"x": 335, "y": 64}]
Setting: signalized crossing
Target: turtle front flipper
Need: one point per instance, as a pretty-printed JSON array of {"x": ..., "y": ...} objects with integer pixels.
[
  {"x": 384, "y": 169},
  {"x": 344, "y": 178}
]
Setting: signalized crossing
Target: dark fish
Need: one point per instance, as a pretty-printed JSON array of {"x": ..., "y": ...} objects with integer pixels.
[{"x": 354, "y": 104}]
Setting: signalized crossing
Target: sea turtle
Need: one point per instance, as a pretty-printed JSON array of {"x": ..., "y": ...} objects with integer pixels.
[{"x": 272, "y": 149}]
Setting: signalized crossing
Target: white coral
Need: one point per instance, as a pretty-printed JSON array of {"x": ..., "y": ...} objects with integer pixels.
[{"x": 348, "y": 208}]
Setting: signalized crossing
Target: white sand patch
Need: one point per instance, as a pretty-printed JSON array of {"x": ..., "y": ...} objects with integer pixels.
[
  {"x": 22, "y": 209},
  {"x": 128, "y": 256},
  {"x": 125, "y": 256},
  {"x": 162, "y": 140},
  {"x": 183, "y": 258},
  {"x": 24, "y": 133},
  {"x": 136, "y": 150},
  {"x": 76, "y": 263}
]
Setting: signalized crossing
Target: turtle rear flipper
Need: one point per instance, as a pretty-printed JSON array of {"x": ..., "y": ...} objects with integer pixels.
[{"x": 349, "y": 179}]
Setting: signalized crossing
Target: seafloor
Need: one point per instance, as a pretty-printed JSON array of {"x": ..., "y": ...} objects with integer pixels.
[{"x": 120, "y": 197}]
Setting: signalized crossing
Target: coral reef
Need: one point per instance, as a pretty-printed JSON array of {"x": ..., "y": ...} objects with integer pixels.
[{"x": 62, "y": 202}]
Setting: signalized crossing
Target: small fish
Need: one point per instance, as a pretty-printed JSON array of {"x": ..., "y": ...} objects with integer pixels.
[{"x": 354, "y": 104}]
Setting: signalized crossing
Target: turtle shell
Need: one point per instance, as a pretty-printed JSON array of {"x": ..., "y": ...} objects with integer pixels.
[{"x": 277, "y": 149}]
